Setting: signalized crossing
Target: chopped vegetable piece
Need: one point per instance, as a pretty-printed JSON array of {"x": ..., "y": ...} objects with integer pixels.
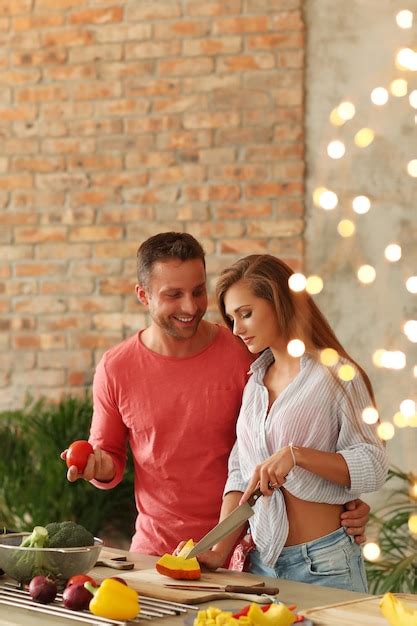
[{"x": 178, "y": 567}]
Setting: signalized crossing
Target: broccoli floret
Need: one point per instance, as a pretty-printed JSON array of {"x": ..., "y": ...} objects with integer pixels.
[
  {"x": 32, "y": 562},
  {"x": 38, "y": 538},
  {"x": 68, "y": 535}
]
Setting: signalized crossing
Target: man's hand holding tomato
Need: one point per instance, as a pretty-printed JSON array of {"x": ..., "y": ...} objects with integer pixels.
[{"x": 88, "y": 462}]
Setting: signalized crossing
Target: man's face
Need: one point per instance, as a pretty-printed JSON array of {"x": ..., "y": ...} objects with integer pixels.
[{"x": 176, "y": 296}]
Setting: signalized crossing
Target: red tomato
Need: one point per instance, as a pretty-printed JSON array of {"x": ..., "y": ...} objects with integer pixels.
[
  {"x": 81, "y": 578},
  {"x": 78, "y": 453}
]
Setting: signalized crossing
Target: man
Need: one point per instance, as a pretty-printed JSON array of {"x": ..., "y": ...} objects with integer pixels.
[{"x": 173, "y": 390}]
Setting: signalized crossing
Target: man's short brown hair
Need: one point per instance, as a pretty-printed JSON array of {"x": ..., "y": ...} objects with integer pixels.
[{"x": 163, "y": 246}]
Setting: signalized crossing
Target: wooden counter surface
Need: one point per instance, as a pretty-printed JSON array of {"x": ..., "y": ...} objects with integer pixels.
[{"x": 303, "y": 595}]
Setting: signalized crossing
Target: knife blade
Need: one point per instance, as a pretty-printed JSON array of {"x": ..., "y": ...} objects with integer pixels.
[
  {"x": 248, "y": 589},
  {"x": 230, "y": 523}
]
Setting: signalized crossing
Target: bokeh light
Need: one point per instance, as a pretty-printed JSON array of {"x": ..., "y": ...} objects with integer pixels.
[
  {"x": 412, "y": 168},
  {"x": 404, "y": 19},
  {"x": 412, "y": 523},
  {"x": 400, "y": 420},
  {"x": 296, "y": 347},
  {"x": 346, "y": 110},
  {"x": 329, "y": 357},
  {"x": 393, "y": 252},
  {"x": 314, "y": 285},
  {"x": 408, "y": 407},
  {"x": 297, "y": 282},
  {"x": 371, "y": 551},
  {"x": 366, "y": 274},
  {"x": 328, "y": 200},
  {"x": 393, "y": 359},
  {"x": 410, "y": 330},
  {"x": 413, "y": 99},
  {"x": 346, "y": 372},
  {"x": 406, "y": 59},
  {"x": 379, "y": 96},
  {"x": 399, "y": 87},
  {"x": 364, "y": 137},
  {"x": 336, "y": 149},
  {"x": 385, "y": 430},
  {"x": 370, "y": 415},
  {"x": 377, "y": 357},
  {"x": 335, "y": 118},
  {"x": 346, "y": 228},
  {"x": 411, "y": 284},
  {"x": 361, "y": 204}
]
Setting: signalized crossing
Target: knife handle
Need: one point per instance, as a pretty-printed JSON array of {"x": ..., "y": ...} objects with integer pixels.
[
  {"x": 254, "y": 497},
  {"x": 255, "y": 590}
]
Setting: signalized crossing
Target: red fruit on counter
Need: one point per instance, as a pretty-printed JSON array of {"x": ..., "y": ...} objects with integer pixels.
[
  {"x": 76, "y": 597},
  {"x": 120, "y": 580},
  {"x": 42, "y": 589},
  {"x": 81, "y": 578},
  {"x": 78, "y": 453}
]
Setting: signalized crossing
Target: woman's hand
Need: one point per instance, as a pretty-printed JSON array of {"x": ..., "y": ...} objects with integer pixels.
[
  {"x": 271, "y": 474},
  {"x": 355, "y": 519},
  {"x": 212, "y": 558}
]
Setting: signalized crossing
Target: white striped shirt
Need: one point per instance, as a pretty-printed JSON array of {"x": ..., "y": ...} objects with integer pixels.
[{"x": 313, "y": 411}]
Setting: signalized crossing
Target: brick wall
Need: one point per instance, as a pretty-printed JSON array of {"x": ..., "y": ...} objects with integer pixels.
[{"x": 120, "y": 119}]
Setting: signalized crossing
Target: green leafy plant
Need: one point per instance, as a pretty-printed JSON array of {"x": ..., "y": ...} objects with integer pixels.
[
  {"x": 33, "y": 486},
  {"x": 396, "y": 569}
]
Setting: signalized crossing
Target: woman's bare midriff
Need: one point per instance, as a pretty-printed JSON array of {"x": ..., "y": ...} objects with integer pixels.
[{"x": 309, "y": 520}]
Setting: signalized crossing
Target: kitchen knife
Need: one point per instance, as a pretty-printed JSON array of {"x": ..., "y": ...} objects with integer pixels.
[
  {"x": 230, "y": 523},
  {"x": 248, "y": 589}
]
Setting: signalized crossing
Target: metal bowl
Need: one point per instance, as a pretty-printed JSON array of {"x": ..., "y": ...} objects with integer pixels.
[{"x": 23, "y": 564}]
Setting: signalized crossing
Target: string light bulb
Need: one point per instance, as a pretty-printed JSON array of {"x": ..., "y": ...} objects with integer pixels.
[
  {"x": 366, "y": 274},
  {"x": 336, "y": 149},
  {"x": 329, "y": 357},
  {"x": 393, "y": 252},
  {"x": 328, "y": 200},
  {"x": 385, "y": 431},
  {"x": 410, "y": 330},
  {"x": 408, "y": 407},
  {"x": 346, "y": 110},
  {"x": 412, "y": 523},
  {"x": 400, "y": 420},
  {"x": 371, "y": 551},
  {"x": 379, "y": 96},
  {"x": 412, "y": 168},
  {"x": 411, "y": 284},
  {"x": 346, "y": 372},
  {"x": 364, "y": 137},
  {"x": 406, "y": 59},
  {"x": 370, "y": 415},
  {"x": 314, "y": 285},
  {"x": 404, "y": 19},
  {"x": 399, "y": 87},
  {"x": 296, "y": 347},
  {"x": 297, "y": 282},
  {"x": 361, "y": 204},
  {"x": 393, "y": 360},
  {"x": 346, "y": 228},
  {"x": 413, "y": 99}
]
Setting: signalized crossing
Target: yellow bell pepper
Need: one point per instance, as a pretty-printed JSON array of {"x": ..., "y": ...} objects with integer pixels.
[
  {"x": 396, "y": 612},
  {"x": 113, "y": 600},
  {"x": 276, "y": 615}
]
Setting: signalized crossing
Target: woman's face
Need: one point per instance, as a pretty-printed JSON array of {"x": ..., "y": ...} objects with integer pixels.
[{"x": 254, "y": 319}]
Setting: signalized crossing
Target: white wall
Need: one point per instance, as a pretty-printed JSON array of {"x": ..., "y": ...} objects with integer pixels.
[{"x": 350, "y": 50}]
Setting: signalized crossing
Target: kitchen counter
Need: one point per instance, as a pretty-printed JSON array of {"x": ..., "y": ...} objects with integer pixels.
[{"x": 303, "y": 595}]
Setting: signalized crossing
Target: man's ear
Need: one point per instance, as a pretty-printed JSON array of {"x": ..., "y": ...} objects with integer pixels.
[{"x": 142, "y": 294}]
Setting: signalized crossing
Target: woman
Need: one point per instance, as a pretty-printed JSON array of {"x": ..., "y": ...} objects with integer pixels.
[{"x": 300, "y": 433}]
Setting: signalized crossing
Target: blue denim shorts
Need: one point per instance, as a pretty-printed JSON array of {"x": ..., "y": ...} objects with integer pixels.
[{"x": 334, "y": 560}]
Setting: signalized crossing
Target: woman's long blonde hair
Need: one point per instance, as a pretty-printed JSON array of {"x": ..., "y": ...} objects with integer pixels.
[{"x": 297, "y": 314}]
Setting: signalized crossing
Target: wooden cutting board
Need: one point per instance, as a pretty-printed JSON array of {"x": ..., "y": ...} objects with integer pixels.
[
  {"x": 149, "y": 582},
  {"x": 356, "y": 612}
]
